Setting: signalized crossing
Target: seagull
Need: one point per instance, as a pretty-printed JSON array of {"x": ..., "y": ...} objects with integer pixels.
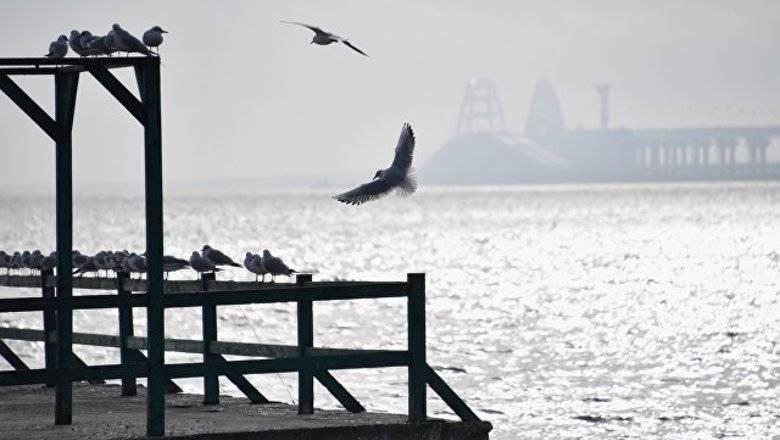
[
  {"x": 75, "y": 42},
  {"x": 101, "y": 45},
  {"x": 5, "y": 261},
  {"x": 79, "y": 258},
  {"x": 254, "y": 264},
  {"x": 399, "y": 175},
  {"x": 200, "y": 264},
  {"x": 59, "y": 48},
  {"x": 172, "y": 264},
  {"x": 126, "y": 42},
  {"x": 16, "y": 261},
  {"x": 217, "y": 258},
  {"x": 36, "y": 258},
  {"x": 154, "y": 38},
  {"x": 50, "y": 262},
  {"x": 86, "y": 267},
  {"x": 137, "y": 264},
  {"x": 24, "y": 261},
  {"x": 324, "y": 38},
  {"x": 275, "y": 265}
]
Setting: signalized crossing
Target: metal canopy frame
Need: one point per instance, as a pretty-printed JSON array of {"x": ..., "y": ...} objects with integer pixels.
[{"x": 146, "y": 111}]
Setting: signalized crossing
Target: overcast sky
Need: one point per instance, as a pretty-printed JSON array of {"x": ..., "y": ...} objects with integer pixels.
[{"x": 245, "y": 96}]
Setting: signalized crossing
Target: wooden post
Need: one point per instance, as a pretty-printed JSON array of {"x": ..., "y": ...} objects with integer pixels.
[
  {"x": 155, "y": 313},
  {"x": 305, "y": 341},
  {"x": 65, "y": 86},
  {"x": 209, "y": 318},
  {"x": 415, "y": 283},
  {"x": 125, "y": 331},
  {"x": 49, "y": 324}
]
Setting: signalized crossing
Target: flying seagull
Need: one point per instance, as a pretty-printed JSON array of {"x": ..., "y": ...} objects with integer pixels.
[
  {"x": 59, "y": 48},
  {"x": 154, "y": 38},
  {"x": 398, "y": 176},
  {"x": 324, "y": 38}
]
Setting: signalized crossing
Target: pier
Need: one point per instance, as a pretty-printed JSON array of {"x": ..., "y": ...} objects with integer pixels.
[{"x": 57, "y": 303}]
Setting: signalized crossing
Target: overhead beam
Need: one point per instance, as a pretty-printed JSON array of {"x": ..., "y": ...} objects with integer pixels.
[
  {"x": 119, "y": 91},
  {"x": 28, "y": 106}
]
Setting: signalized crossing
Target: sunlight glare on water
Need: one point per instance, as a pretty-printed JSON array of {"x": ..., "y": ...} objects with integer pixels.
[{"x": 620, "y": 311}]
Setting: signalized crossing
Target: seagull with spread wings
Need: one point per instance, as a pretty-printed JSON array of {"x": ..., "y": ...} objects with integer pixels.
[
  {"x": 323, "y": 38},
  {"x": 399, "y": 176}
]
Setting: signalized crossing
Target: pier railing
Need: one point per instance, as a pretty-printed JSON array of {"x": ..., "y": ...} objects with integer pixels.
[{"x": 309, "y": 361}]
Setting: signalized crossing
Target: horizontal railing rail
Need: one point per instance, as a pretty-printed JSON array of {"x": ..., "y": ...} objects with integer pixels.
[{"x": 309, "y": 361}]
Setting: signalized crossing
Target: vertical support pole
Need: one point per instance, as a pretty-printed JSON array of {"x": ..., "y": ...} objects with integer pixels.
[
  {"x": 125, "y": 331},
  {"x": 209, "y": 318},
  {"x": 49, "y": 324},
  {"x": 155, "y": 313},
  {"x": 65, "y": 86},
  {"x": 415, "y": 284},
  {"x": 305, "y": 341}
]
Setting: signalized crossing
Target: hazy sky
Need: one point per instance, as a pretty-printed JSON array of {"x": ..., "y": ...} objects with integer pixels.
[{"x": 248, "y": 97}]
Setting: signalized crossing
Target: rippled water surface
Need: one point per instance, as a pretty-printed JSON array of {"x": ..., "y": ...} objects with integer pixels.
[{"x": 640, "y": 311}]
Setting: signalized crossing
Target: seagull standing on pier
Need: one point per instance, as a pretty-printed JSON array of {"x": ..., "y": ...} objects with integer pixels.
[
  {"x": 172, "y": 264},
  {"x": 59, "y": 48},
  {"x": 101, "y": 45},
  {"x": 50, "y": 262},
  {"x": 126, "y": 42},
  {"x": 217, "y": 258},
  {"x": 136, "y": 264},
  {"x": 154, "y": 38},
  {"x": 399, "y": 176},
  {"x": 275, "y": 265},
  {"x": 200, "y": 264},
  {"x": 254, "y": 264},
  {"x": 323, "y": 38},
  {"x": 86, "y": 267},
  {"x": 75, "y": 42}
]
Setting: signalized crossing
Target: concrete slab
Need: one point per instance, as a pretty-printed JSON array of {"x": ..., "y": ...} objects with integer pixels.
[{"x": 99, "y": 412}]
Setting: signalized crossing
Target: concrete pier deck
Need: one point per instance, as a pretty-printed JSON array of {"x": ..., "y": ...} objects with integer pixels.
[{"x": 27, "y": 412}]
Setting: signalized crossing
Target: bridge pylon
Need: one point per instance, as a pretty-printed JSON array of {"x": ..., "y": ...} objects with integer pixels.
[{"x": 480, "y": 109}]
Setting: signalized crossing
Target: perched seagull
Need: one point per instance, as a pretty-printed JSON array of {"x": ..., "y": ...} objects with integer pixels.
[
  {"x": 136, "y": 264},
  {"x": 275, "y": 265},
  {"x": 101, "y": 45},
  {"x": 59, "y": 48},
  {"x": 217, "y": 258},
  {"x": 254, "y": 264},
  {"x": 86, "y": 267},
  {"x": 200, "y": 264},
  {"x": 398, "y": 176},
  {"x": 5, "y": 261},
  {"x": 24, "y": 261},
  {"x": 79, "y": 258},
  {"x": 75, "y": 43},
  {"x": 50, "y": 262},
  {"x": 36, "y": 258},
  {"x": 16, "y": 261},
  {"x": 154, "y": 38},
  {"x": 324, "y": 38},
  {"x": 126, "y": 42},
  {"x": 172, "y": 264}
]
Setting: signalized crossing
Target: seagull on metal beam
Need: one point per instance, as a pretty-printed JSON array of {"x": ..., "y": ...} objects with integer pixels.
[
  {"x": 399, "y": 176},
  {"x": 323, "y": 38}
]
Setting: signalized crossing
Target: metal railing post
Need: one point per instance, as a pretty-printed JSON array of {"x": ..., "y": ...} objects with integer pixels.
[
  {"x": 153, "y": 182},
  {"x": 305, "y": 341},
  {"x": 65, "y": 86},
  {"x": 49, "y": 324},
  {"x": 415, "y": 284},
  {"x": 209, "y": 318},
  {"x": 125, "y": 331}
]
